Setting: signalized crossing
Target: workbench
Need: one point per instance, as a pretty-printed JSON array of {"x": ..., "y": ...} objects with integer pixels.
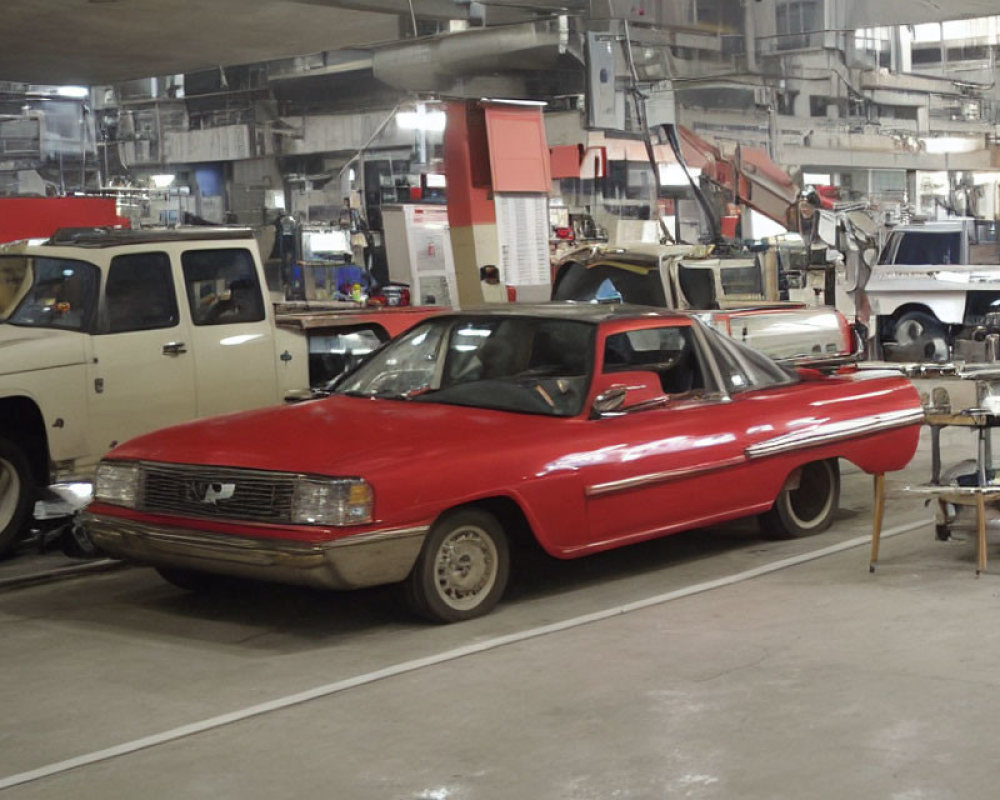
[{"x": 981, "y": 493}]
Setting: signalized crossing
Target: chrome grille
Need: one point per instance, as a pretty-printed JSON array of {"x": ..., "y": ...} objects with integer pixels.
[{"x": 217, "y": 492}]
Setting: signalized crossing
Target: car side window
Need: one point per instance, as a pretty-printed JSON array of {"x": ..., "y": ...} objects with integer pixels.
[
  {"x": 332, "y": 354},
  {"x": 668, "y": 351},
  {"x": 222, "y": 286},
  {"x": 139, "y": 294}
]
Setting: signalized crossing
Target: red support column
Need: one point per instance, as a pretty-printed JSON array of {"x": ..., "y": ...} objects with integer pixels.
[{"x": 471, "y": 212}]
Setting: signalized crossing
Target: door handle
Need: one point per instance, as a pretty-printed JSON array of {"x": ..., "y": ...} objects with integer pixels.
[{"x": 174, "y": 348}]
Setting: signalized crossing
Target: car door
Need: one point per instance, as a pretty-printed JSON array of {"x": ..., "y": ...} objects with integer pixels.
[
  {"x": 674, "y": 460},
  {"x": 231, "y": 336},
  {"x": 142, "y": 373}
]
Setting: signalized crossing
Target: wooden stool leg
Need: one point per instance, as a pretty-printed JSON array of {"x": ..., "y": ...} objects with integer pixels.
[
  {"x": 981, "y": 533},
  {"x": 877, "y": 518}
]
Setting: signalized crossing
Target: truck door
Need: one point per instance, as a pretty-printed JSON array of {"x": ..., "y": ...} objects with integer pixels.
[
  {"x": 232, "y": 337},
  {"x": 142, "y": 372}
]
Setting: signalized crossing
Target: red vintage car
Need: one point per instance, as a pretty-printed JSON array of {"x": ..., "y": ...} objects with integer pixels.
[{"x": 587, "y": 427}]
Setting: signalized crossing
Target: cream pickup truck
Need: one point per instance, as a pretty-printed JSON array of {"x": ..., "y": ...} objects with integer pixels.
[
  {"x": 107, "y": 335},
  {"x": 736, "y": 294}
]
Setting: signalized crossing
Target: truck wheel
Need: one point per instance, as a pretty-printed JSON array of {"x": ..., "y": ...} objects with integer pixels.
[
  {"x": 923, "y": 333},
  {"x": 806, "y": 503},
  {"x": 17, "y": 489},
  {"x": 462, "y": 569}
]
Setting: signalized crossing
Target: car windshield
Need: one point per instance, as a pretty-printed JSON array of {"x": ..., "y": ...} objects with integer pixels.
[
  {"x": 604, "y": 283},
  {"x": 51, "y": 292},
  {"x": 526, "y": 364}
]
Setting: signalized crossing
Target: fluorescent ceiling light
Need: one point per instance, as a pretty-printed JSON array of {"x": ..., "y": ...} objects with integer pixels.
[
  {"x": 421, "y": 120},
  {"x": 76, "y": 92},
  {"x": 506, "y": 102}
]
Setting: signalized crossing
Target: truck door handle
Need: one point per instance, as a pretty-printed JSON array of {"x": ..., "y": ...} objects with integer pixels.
[{"x": 174, "y": 348}]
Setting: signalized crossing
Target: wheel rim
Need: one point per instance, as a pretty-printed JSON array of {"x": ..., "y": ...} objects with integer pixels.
[
  {"x": 10, "y": 490},
  {"x": 810, "y": 502},
  {"x": 927, "y": 334},
  {"x": 465, "y": 568},
  {"x": 909, "y": 330}
]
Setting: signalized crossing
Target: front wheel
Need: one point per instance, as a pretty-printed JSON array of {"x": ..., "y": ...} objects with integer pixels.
[
  {"x": 922, "y": 336},
  {"x": 462, "y": 569},
  {"x": 806, "y": 503},
  {"x": 17, "y": 489}
]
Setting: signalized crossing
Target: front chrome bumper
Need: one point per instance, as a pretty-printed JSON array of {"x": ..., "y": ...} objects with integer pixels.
[{"x": 367, "y": 559}]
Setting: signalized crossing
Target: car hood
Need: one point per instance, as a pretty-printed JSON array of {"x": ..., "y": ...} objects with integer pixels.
[
  {"x": 30, "y": 349},
  {"x": 337, "y": 436}
]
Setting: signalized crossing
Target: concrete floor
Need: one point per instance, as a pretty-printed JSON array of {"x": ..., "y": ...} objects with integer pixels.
[{"x": 712, "y": 664}]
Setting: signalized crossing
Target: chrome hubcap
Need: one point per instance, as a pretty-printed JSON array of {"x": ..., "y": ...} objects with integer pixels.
[
  {"x": 809, "y": 503},
  {"x": 466, "y": 567}
]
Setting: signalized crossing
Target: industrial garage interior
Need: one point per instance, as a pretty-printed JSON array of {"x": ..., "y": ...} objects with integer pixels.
[{"x": 461, "y": 399}]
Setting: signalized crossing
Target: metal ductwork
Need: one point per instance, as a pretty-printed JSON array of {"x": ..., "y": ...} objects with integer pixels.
[{"x": 428, "y": 65}]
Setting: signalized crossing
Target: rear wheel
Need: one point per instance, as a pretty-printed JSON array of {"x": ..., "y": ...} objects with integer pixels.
[
  {"x": 462, "y": 570},
  {"x": 923, "y": 336},
  {"x": 806, "y": 503},
  {"x": 17, "y": 489}
]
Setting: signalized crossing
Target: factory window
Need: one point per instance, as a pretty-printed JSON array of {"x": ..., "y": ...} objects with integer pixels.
[
  {"x": 818, "y": 106},
  {"x": 794, "y": 21}
]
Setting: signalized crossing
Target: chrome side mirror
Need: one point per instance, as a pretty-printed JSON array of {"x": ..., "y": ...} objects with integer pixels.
[{"x": 610, "y": 400}]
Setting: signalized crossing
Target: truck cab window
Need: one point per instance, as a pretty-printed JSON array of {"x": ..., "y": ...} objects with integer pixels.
[
  {"x": 222, "y": 286},
  {"x": 140, "y": 293}
]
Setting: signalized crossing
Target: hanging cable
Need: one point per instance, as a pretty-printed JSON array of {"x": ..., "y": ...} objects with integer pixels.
[
  {"x": 670, "y": 131},
  {"x": 413, "y": 19},
  {"x": 640, "y": 111}
]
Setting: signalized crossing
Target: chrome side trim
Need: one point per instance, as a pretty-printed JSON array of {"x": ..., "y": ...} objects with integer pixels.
[
  {"x": 599, "y": 489},
  {"x": 350, "y": 562},
  {"x": 826, "y": 433}
]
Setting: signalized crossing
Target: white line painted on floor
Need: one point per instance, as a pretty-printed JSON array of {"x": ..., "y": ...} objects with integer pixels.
[{"x": 449, "y": 655}]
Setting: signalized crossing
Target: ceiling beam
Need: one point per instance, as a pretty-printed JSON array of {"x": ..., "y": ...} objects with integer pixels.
[{"x": 498, "y": 12}]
